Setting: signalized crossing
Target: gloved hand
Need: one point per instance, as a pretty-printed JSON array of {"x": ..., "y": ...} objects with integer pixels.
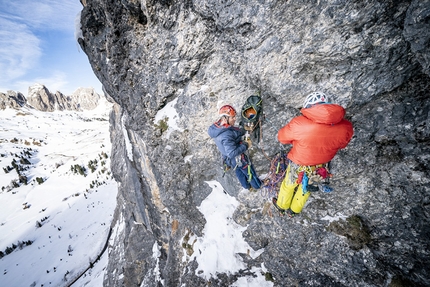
[
  {"x": 248, "y": 141},
  {"x": 315, "y": 178}
]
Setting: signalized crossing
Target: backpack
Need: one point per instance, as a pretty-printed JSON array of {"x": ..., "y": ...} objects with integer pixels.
[{"x": 251, "y": 114}]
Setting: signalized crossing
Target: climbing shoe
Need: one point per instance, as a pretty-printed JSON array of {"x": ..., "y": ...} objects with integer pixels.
[
  {"x": 290, "y": 213},
  {"x": 281, "y": 211}
]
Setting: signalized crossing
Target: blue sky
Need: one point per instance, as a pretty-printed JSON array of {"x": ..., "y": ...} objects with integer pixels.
[{"x": 38, "y": 45}]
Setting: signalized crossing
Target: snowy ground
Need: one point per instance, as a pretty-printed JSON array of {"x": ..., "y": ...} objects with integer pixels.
[{"x": 54, "y": 221}]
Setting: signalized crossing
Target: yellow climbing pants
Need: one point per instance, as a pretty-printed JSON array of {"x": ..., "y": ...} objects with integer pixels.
[
  {"x": 291, "y": 194},
  {"x": 299, "y": 200}
]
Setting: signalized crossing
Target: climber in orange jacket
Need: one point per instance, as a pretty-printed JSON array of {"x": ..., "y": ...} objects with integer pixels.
[
  {"x": 318, "y": 133},
  {"x": 316, "y": 137}
]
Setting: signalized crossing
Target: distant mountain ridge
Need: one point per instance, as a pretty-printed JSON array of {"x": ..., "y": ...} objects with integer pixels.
[{"x": 40, "y": 98}]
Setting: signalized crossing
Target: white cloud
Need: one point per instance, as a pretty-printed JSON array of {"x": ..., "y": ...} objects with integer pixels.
[
  {"x": 19, "y": 50},
  {"x": 45, "y": 14},
  {"x": 31, "y": 34},
  {"x": 20, "y": 45}
]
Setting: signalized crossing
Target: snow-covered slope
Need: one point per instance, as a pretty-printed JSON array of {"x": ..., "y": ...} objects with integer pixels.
[{"x": 54, "y": 216}]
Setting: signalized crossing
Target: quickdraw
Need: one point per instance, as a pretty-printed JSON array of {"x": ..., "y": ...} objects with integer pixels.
[{"x": 225, "y": 168}]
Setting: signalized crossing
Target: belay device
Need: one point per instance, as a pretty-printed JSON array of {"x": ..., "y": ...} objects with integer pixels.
[{"x": 251, "y": 114}]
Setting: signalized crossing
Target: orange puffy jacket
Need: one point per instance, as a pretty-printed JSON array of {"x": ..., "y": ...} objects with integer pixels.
[{"x": 317, "y": 134}]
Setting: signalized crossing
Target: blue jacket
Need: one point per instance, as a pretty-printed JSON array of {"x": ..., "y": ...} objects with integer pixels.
[{"x": 229, "y": 141}]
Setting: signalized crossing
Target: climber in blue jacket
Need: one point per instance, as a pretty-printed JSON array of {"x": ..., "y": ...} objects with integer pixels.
[{"x": 228, "y": 139}]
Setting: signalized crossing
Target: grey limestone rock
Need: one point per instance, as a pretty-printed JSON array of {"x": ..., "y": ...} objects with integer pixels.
[{"x": 369, "y": 56}]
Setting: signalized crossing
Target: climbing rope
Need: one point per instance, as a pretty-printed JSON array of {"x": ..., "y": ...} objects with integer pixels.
[{"x": 278, "y": 168}]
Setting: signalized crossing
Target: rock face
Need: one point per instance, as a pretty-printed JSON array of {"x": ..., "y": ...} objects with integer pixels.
[
  {"x": 85, "y": 99},
  {"x": 11, "y": 99},
  {"x": 40, "y": 98},
  {"x": 372, "y": 57}
]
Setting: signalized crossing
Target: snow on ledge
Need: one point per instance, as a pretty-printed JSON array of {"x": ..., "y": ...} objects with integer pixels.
[
  {"x": 170, "y": 115},
  {"x": 78, "y": 30},
  {"x": 219, "y": 248},
  {"x": 334, "y": 218}
]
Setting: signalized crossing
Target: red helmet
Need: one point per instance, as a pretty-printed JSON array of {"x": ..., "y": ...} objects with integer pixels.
[{"x": 227, "y": 110}]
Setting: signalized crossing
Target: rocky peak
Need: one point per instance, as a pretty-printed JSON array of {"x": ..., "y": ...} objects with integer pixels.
[
  {"x": 85, "y": 98},
  {"x": 40, "y": 98},
  {"x": 12, "y": 99}
]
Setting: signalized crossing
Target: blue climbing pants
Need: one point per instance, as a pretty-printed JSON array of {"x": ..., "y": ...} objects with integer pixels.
[{"x": 243, "y": 174}]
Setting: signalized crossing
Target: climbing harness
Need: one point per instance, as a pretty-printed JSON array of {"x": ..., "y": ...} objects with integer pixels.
[
  {"x": 296, "y": 186},
  {"x": 244, "y": 161}
]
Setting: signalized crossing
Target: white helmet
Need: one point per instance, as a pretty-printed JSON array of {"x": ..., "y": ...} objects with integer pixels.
[{"x": 315, "y": 98}]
